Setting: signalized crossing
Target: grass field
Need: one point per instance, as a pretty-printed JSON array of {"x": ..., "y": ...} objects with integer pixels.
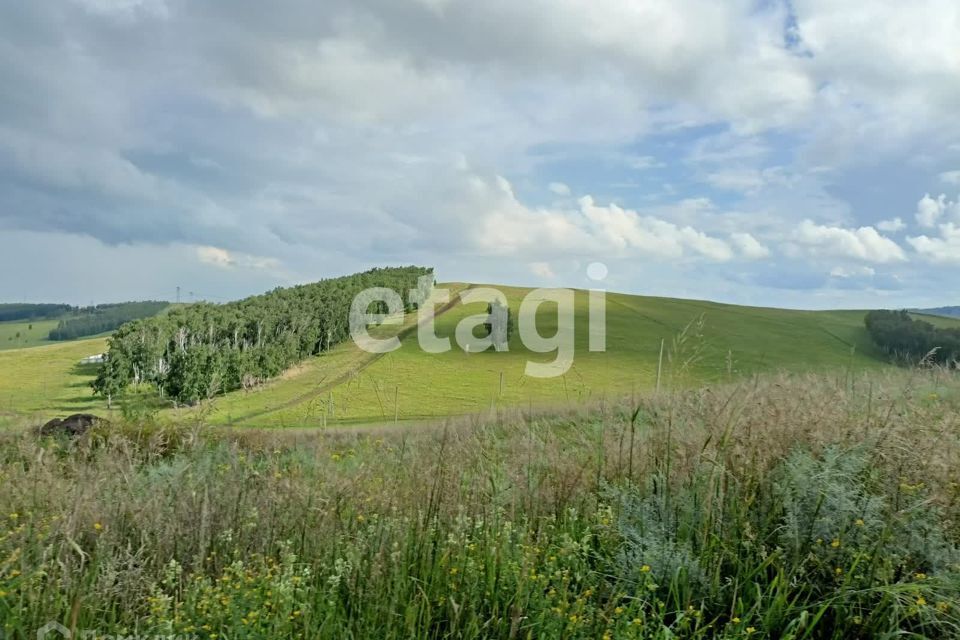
[
  {"x": 18, "y": 335},
  {"x": 48, "y": 380},
  {"x": 800, "y": 507},
  {"x": 349, "y": 386},
  {"x": 408, "y": 383}
]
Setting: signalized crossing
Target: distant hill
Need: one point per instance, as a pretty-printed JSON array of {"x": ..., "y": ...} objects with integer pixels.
[
  {"x": 12, "y": 312},
  {"x": 30, "y": 325},
  {"x": 950, "y": 312},
  {"x": 91, "y": 321}
]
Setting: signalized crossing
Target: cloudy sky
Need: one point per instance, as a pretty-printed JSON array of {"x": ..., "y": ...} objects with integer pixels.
[{"x": 799, "y": 153}]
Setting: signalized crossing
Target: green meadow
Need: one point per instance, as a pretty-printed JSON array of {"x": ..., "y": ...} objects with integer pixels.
[
  {"x": 17, "y": 335},
  {"x": 688, "y": 342}
]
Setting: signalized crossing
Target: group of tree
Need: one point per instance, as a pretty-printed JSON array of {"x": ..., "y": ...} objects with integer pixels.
[
  {"x": 29, "y": 311},
  {"x": 910, "y": 340},
  {"x": 197, "y": 351},
  {"x": 89, "y": 321}
]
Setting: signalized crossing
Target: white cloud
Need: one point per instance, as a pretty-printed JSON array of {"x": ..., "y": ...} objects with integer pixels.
[
  {"x": 224, "y": 259},
  {"x": 542, "y": 269},
  {"x": 509, "y": 226},
  {"x": 559, "y": 189},
  {"x": 749, "y": 246},
  {"x": 864, "y": 243},
  {"x": 892, "y": 226},
  {"x": 745, "y": 180},
  {"x": 931, "y": 210},
  {"x": 853, "y": 272},
  {"x": 945, "y": 249},
  {"x": 951, "y": 177}
]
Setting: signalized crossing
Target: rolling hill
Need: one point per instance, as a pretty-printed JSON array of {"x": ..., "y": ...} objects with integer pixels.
[{"x": 348, "y": 385}]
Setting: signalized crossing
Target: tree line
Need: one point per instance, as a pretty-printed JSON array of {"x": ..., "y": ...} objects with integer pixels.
[
  {"x": 907, "y": 339},
  {"x": 28, "y": 311},
  {"x": 198, "y": 351},
  {"x": 89, "y": 321}
]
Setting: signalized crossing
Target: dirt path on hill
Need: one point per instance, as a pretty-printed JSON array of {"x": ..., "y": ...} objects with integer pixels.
[{"x": 326, "y": 386}]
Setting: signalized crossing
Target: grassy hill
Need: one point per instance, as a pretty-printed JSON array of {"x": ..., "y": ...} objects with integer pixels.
[
  {"x": 30, "y": 333},
  {"x": 348, "y": 385},
  {"x": 408, "y": 383}
]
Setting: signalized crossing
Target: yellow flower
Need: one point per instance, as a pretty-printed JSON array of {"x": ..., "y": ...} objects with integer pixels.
[
  {"x": 453, "y": 571},
  {"x": 574, "y": 618},
  {"x": 360, "y": 518},
  {"x": 618, "y": 611},
  {"x": 858, "y": 522},
  {"x": 838, "y": 571},
  {"x": 97, "y": 526},
  {"x": 645, "y": 569},
  {"x": 751, "y": 629},
  {"x": 920, "y": 576},
  {"x": 836, "y": 543},
  {"x": 921, "y": 601},
  {"x": 735, "y": 620},
  {"x": 637, "y": 622}
]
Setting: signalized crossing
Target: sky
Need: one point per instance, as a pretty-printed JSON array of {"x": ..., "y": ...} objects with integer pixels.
[{"x": 798, "y": 153}]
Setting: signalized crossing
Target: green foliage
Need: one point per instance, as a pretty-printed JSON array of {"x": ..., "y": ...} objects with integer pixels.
[
  {"x": 89, "y": 321},
  {"x": 196, "y": 352},
  {"x": 774, "y": 511},
  {"x": 911, "y": 340},
  {"x": 26, "y": 311}
]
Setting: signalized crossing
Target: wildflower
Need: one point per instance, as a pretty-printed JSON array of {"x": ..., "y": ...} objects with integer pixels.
[
  {"x": 454, "y": 571},
  {"x": 920, "y": 576},
  {"x": 14, "y": 573},
  {"x": 943, "y": 607},
  {"x": 645, "y": 569},
  {"x": 607, "y": 636},
  {"x": 857, "y": 620},
  {"x": 838, "y": 571},
  {"x": 14, "y": 516},
  {"x": 921, "y": 601},
  {"x": 751, "y": 629},
  {"x": 735, "y": 620},
  {"x": 360, "y": 518},
  {"x": 637, "y": 622},
  {"x": 573, "y": 618},
  {"x": 858, "y": 522},
  {"x": 618, "y": 611},
  {"x": 97, "y": 527},
  {"x": 335, "y": 457},
  {"x": 836, "y": 543}
]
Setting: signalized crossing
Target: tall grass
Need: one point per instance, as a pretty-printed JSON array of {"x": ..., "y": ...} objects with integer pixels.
[{"x": 788, "y": 508}]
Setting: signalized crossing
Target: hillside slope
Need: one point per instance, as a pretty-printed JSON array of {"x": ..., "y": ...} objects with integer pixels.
[
  {"x": 408, "y": 383},
  {"x": 347, "y": 385}
]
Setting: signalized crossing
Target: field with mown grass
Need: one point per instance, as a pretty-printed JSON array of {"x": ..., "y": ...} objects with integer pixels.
[{"x": 797, "y": 506}]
